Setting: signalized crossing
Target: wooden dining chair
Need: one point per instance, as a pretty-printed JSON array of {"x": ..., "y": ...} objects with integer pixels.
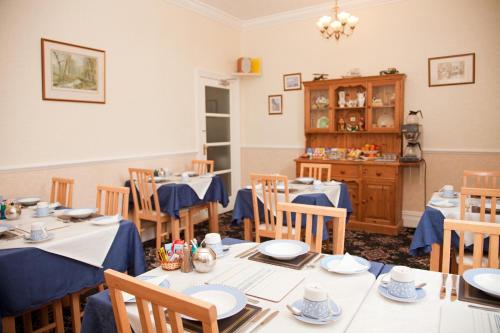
[
  {"x": 483, "y": 195},
  {"x": 316, "y": 171},
  {"x": 338, "y": 216},
  {"x": 479, "y": 229},
  {"x": 481, "y": 179},
  {"x": 265, "y": 191},
  {"x": 202, "y": 167},
  {"x": 164, "y": 305},
  {"x": 147, "y": 206},
  {"x": 9, "y": 322},
  {"x": 112, "y": 200},
  {"x": 62, "y": 191}
]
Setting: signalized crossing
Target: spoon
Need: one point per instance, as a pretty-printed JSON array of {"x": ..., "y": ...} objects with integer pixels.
[{"x": 294, "y": 310}]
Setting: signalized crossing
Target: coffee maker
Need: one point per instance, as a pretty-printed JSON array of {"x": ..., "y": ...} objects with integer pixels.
[{"x": 412, "y": 131}]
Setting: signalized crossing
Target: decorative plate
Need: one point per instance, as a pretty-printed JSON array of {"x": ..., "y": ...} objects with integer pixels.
[{"x": 485, "y": 279}]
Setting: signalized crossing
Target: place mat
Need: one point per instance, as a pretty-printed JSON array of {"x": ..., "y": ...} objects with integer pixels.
[
  {"x": 297, "y": 263},
  {"x": 468, "y": 293},
  {"x": 227, "y": 325},
  {"x": 67, "y": 218}
]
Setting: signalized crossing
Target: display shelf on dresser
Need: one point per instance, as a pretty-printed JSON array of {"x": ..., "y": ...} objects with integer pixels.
[{"x": 345, "y": 113}]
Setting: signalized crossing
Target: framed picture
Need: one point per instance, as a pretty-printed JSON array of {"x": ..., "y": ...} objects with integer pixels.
[
  {"x": 292, "y": 81},
  {"x": 73, "y": 73},
  {"x": 451, "y": 70},
  {"x": 275, "y": 104}
]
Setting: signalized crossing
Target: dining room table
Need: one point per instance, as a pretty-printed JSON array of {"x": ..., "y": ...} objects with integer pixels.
[
  {"x": 176, "y": 193},
  {"x": 428, "y": 236},
  {"x": 72, "y": 258},
  {"x": 348, "y": 291},
  {"x": 328, "y": 194}
]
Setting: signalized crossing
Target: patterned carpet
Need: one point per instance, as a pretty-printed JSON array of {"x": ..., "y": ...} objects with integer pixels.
[{"x": 374, "y": 247}]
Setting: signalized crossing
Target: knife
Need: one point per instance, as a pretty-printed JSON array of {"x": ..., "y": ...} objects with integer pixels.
[
  {"x": 246, "y": 251},
  {"x": 253, "y": 320},
  {"x": 265, "y": 321}
]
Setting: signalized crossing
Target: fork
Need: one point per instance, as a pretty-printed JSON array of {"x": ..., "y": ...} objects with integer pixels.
[
  {"x": 454, "y": 287},
  {"x": 442, "y": 292}
]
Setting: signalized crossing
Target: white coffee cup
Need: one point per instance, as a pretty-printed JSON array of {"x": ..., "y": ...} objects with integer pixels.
[
  {"x": 402, "y": 282},
  {"x": 317, "y": 184},
  {"x": 213, "y": 241},
  {"x": 185, "y": 176},
  {"x": 316, "y": 303},
  {"x": 42, "y": 209},
  {"x": 38, "y": 231},
  {"x": 448, "y": 190}
]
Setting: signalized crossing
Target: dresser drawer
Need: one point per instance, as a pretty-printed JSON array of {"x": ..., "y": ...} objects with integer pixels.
[
  {"x": 380, "y": 171},
  {"x": 345, "y": 171}
]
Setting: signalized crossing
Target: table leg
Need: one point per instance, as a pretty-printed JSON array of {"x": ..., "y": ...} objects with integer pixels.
[
  {"x": 213, "y": 224},
  {"x": 247, "y": 229},
  {"x": 8, "y": 325},
  {"x": 75, "y": 312},
  {"x": 28, "y": 327},
  {"x": 435, "y": 260},
  {"x": 58, "y": 316},
  {"x": 176, "y": 233}
]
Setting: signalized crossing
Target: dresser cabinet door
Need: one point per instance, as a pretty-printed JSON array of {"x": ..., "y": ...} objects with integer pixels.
[{"x": 378, "y": 202}]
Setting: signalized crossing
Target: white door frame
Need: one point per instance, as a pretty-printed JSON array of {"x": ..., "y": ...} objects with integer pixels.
[{"x": 234, "y": 86}]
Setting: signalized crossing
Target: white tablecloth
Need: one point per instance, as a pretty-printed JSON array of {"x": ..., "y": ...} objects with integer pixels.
[
  {"x": 81, "y": 241},
  {"x": 348, "y": 291},
  {"x": 199, "y": 184}
]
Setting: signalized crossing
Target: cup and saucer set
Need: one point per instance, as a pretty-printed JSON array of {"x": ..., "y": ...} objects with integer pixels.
[
  {"x": 315, "y": 307},
  {"x": 43, "y": 209},
  {"x": 448, "y": 192},
  {"x": 38, "y": 233},
  {"x": 399, "y": 285},
  {"x": 213, "y": 241}
]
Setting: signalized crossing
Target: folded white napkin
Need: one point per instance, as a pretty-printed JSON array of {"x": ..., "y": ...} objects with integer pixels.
[
  {"x": 157, "y": 280},
  {"x": 346, "y": 265},
  {"x": 109, "y": 219}
]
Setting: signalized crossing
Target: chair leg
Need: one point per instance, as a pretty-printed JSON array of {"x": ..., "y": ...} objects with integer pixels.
[
  {"x": 176, "y": 234},
  {"x": 75, "y": 312},
  {"x": 158, "y": 234},
  {"x": 247, "y": 229},
  {"x": 28, "y": 328},
  {"x": 9, "y": 324},
  {"x": 44, "y": 316},
  {"x": 58, "y": 316},
  {"x": 213, "y": 222}
]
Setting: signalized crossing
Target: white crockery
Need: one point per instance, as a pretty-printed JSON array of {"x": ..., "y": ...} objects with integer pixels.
[
  {"x": 283, "y": 249},
  {"x": 80, "y": 213},
  {"x": 28, "y": 201}
]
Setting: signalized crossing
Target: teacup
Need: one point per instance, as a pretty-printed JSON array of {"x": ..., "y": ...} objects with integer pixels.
[
  {"x": 316, "y": 303},
  {"x": 38, "y": 231},
  {"x": 42, "y": 209},
  {"x": 317, "y": 184},
  {"x": 402, "y": 282},
  {"x": 213, "y": 241},
  {"x": 185, "y": 176},
  {"x": 448, "y": 190}
]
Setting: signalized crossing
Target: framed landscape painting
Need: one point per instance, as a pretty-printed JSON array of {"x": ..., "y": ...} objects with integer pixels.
[
  {"x": 73, "y": 73},
  {"x": 275, "y": 104},
  {"x": 292, "y": 81},
  {"x": 451, "y": 70}
]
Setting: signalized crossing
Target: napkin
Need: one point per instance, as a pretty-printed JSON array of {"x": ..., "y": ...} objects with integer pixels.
[
  {"x": 157, "y": 280},
  {"x": 458, "y": 317},
  {"x": 346, "y": 265},
  {"x": 109, "y": 219}
]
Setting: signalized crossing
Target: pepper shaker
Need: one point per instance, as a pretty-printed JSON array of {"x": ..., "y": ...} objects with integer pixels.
[{"x": 186, "y": 266}]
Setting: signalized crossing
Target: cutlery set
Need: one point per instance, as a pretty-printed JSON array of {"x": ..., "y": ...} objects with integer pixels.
[
  {"x": 454, "y": 284},
  {"x": 261, "y": 319}
]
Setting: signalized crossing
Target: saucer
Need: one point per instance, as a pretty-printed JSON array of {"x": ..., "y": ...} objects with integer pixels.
[
  {"x": 27, "y": 239},
  {"x": 322, "y": 321},
  {"x": 420, "y": 295},
  {"x": 36, "y": 215}
]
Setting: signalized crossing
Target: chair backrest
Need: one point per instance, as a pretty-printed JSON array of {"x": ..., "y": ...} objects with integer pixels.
[
  {"x": 144, "y": 189},
  {"x": 310, "y": 211},
  {"x": 115, "y": 200},
  {"x": 62, "y": 191},
  {"x": 483, "y": 194},
  {"x": 479, "y": 229},
  {"x": 161, "y": 300},
  {"x": 266, "y": 187},
  {"x": 481, "y": 179},
  {"x": 203, "y": 166},
  {"x": 315, "y": 170}
]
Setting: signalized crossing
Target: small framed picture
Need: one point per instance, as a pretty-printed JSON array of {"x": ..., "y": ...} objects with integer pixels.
[
  {"x": 452, "y": 70},
  {"x": 292, "y": 81},
  {"x": 73, "y": 73},
  {"x": 275, "y": 104}
]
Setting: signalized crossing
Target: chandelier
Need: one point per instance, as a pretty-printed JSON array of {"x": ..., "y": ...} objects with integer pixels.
[{"x": 340, "y": 23}]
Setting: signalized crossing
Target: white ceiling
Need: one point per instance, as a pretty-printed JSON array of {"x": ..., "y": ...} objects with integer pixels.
[{"x": 250, "y": 9}]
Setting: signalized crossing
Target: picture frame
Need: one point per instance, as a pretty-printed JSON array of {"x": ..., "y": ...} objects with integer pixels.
[
  {"x": 452, "y": 70},
  {"x": 292, "y": 81},
  {"x": 275, "y": 104},
  {"x": 72, "y": 73}
]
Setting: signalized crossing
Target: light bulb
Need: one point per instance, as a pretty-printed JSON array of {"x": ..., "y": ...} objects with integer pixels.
[
  {"x": 325, "y": 20},
  {"x": 352, "y": 21},
  {"x": 336, "y": 26},
  {"x": 343, "y": 17}
]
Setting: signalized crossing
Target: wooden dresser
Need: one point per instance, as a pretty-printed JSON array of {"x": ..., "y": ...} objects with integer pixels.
[{"x": 336, "y": 117}]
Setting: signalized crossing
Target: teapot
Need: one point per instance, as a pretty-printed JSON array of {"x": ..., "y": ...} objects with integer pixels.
[
  {"x": 204, "y": 259},
  {"x": 413, "y": 117}
]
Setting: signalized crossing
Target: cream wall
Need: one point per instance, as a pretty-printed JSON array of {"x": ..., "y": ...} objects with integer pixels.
[
  {"x": 402, "y": 34},
  {"x": 152, "y": 51}
]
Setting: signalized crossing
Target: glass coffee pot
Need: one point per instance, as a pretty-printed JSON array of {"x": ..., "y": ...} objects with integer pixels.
[
  {"x": 413, "y": 117},
  {"x": 413, "y": 152}
]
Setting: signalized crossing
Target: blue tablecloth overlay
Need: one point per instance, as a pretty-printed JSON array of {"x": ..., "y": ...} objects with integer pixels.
[
  {"x": 99, "y": 318},
  {"x": 243, "y": 207},
  {"x": 30, "y": 277},
  {"x": 174, "y": 197}
]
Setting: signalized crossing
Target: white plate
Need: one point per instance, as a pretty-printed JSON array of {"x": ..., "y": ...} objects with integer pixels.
[
  {"x": 305, "y": 180},
  {"x": 27, "y": 239},
  {"x": 28, "y": 201},
  {"x": 35, "y": 215},
  {"x": 443, "y": 203},
  {"x": 283, "y": 249},
  {"x": 227, "y": 300},
  {"x": 106, "y": 220},
  {"x": 338, "y": 312},
  {"x": 80, "y": 213},
  {"x": 485, "y": 279},
  {"x": 419, "y": 296}
]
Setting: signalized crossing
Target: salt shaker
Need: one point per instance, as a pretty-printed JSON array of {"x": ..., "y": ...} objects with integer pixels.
[{"x": 186, "y": 266}]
